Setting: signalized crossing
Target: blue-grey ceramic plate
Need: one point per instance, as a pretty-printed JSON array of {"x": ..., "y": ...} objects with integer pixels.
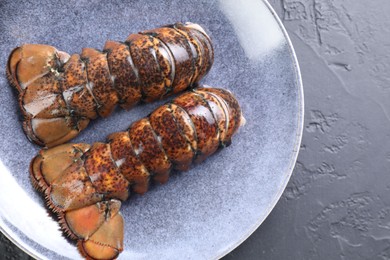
[{"x": 200, "y": 214}]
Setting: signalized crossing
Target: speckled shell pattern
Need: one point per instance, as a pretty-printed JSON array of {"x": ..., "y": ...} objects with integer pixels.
[
  {"x": 175, "y": 135},
  {"x": 72, "y": 90},
  {"x": 85, "y": 184},
  {"x": 183, "y": 131}
]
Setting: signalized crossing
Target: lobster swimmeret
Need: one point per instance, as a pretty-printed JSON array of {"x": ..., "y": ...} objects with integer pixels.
[
  {"x": 84, "y": 184},
  {"x": 59, "y": 94}
]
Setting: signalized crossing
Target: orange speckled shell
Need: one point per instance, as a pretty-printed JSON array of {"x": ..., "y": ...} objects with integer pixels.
[
  {"x": 184, "y": 131},
  {"x": 74, "y": 86},
  {"x": 103, "y": 172},
  {"x": 129, "y": 165},
  {"x": 74, "y": 89},
  {"x": 187, "y": 130},
  {"x": 206, "y": 127},
  {"x": 124, "y": 74},
  {"x": 172, "y": 138},
  {"x": 85, "y": 184},
  {"x": 147, "y": 147},
  {"x": 99, "y": 81}
]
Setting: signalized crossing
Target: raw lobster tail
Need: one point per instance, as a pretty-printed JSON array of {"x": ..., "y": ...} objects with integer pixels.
[
  {"x": 59, "y": 94},
  {"x": 85, "y": 184}
]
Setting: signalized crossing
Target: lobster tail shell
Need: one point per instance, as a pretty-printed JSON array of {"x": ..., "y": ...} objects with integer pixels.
[
  {"x": 184, "y": 131},
  {"x": 59, "y": 94}
]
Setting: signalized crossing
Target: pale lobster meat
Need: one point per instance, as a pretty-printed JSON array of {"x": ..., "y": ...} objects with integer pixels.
[
  {"x": 85, "y": 184},
  {"x": 59, "y": 94}
]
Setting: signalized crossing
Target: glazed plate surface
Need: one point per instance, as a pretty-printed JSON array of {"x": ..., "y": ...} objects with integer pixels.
[{"x": 200, "y": 214}]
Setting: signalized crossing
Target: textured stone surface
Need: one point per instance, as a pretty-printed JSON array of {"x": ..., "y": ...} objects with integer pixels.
[{"x": 336, "y": 205}]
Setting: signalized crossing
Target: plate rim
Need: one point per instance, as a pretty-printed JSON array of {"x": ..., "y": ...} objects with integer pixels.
[{"x": 298, "y": 139}]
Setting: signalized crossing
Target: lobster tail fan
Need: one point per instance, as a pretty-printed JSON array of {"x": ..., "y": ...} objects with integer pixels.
[
  {"x": 49, "y": 164},
  {"x": 107, "y": 241}
]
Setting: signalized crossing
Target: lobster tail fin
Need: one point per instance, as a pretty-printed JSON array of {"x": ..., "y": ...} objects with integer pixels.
[
  {"x": 34, "y": 70},
  {"x": 30, "y": 62},
  {"x": 12, "y": 63},
  {"x": 60, "y": 174},
  {"x": 97, "y": 225},
  {"x": 72, "y": 190},
  {"x": 49, "y": 164},
  {"x": 99, "y": 229},
  {"x": 50, "y": 132}
]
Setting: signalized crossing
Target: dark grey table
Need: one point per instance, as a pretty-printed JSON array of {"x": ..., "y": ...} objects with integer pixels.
[{"x": 337, "y": 204}]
